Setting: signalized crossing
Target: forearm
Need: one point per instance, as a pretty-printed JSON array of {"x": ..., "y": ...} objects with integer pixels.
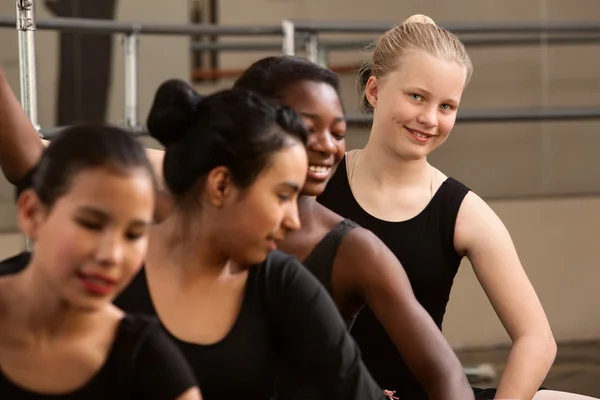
[
  {"x": 528, "y": 364},
  {"x": 436, "y": 367},
  {"x": 426, "y": 352},
  {"x": 20, "y": 144}
]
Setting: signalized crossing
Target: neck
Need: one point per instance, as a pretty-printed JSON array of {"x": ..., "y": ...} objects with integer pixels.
[
  {"x": 39, "y": 311},
  {"x": 387, "y": 168},
  {"x": 193, "y": 248},
  {"x": 306, "y": 206}
]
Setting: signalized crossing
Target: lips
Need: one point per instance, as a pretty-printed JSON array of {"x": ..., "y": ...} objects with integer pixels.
[
  {"x": 272, "y": 243},
  {"x": 420, "y": 136},
  {"x": 97, "y": 284},
  {"x": 319, "y": 172}
]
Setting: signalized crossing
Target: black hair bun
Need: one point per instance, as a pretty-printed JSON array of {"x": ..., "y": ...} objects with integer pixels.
[{"x": 174, "y": 105}]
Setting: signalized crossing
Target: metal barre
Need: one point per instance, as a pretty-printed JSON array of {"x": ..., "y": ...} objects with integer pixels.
[
  {"x": 361, "y": 44},
  {"x": 106, "y": 26},
  {"x": 27, "y": 24},
  {"x": 531, "y": 27},
  {"x": 474, "y": 116},
  {"x": 83, "y": 25},
  {"x": 516, "y": 115}
]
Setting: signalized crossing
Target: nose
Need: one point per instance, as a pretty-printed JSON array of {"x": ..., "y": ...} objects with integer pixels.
[
  {"x": 291, "y": 218},
  {"x": 322, "y": 142},
  {"x": 428, "y": 117},
  {"x": 110, "y": 250}
]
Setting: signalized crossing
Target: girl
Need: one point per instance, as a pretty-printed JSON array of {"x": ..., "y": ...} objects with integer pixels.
[
  {"x": 353, "y": 264},
  {"x": 88, "y": 213},
  {"x": 413, "y": 86}
]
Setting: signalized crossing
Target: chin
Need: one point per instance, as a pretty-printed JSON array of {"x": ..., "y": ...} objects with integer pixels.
[
  {"x": 88, "y": 305},
  {"x": 253, "y": 258},
  {"x": 314, "y": 189}
]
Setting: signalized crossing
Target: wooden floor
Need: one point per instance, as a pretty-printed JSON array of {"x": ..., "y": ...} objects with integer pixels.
[{"x": 576, "y": 369}]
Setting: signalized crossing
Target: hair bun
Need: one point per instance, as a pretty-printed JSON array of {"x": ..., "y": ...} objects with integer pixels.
[
  {"x": 173, "y": 107},
  {"x": 419, "y": 19}
]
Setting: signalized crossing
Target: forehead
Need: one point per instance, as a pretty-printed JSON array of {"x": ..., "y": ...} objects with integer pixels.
[
  {"x": 130, "y": 190},
  {"x": 309, "y": 94},
  {"x": 286, "y": 165},
  {"x": 442, "y": 78}
]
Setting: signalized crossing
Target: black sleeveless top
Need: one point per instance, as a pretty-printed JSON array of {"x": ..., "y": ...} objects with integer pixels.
[
  {"x": 142, "y": 364},
  {"x": 321, "y": 258},
  {"x": 424, "y": 245}
]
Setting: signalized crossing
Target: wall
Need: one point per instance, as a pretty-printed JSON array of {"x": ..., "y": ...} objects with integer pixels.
[{"x": 555, "y": 235}]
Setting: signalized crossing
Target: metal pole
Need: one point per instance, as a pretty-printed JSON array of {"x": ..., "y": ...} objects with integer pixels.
[
  {"x": 25, "y": 31},
  {"x": 323, "y": 56},
  {"x": 312, "y": 48},
  {"x": 27, "y": 72},
  {"x": 130, "y": 46},
  {"x": 289, "y": 40}
]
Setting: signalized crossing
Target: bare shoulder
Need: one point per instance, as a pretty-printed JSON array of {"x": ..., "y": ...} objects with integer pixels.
[
  {"x": 478, "y": 226},
  {"x": 363, "y": 243},
  {"x": 365, "y": 252}
]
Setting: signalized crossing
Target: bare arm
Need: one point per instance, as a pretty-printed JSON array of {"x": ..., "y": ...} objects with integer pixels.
[
  {"x": 20, "y": 144},
  {"x": 21, "y": 147},
  {"x": 484, "y": 239},
  {"x": 372, "y": 270}
]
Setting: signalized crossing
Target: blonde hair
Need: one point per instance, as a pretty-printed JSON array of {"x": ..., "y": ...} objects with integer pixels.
[{"x": 417, "y": 33}]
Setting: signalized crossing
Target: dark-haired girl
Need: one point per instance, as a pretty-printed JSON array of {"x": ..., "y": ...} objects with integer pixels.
[
  {"x": 88, "y": 211},
  {"x": 234, "y": 165}
]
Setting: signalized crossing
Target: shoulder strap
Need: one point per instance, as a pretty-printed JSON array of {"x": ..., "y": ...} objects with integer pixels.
[
  {"x": 452, "y": 199},
  {"x": 321, "y": 258}
]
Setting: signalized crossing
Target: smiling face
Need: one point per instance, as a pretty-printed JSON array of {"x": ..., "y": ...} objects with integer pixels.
[
  {"x": 320, "y": 107},
  {"x": 92, "y": 240},
  {"x": 415, "y": 106}
]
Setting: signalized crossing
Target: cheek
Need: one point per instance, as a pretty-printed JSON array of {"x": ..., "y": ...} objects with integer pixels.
[
  {"x": 261, "y": 216},
  {"x": 71, "y": 240},
  {"x": 446, "y": 124},
  {"x": 340, "y": 150},
  {"x": 135, "y": 257}
]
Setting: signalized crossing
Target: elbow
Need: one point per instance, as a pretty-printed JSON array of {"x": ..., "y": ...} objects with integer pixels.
[
  {"x": 454, "y": 385},
  {"x": 549, "y": 345},
  {"x": 551, "y": 348},
  {"x": 542, "y": 344}
]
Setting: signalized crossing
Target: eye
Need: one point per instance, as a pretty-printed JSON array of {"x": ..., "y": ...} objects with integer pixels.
[
  {"x": 308, "y": 124},
  {"x": 91, "y": 225},
  {"x": 284, "y": 197},
  {"x": 415, "y": 96},
  {"x": 338, "y": 135},
  {"x": 447, "y": 107},
  {"x": 133, "y": 236}
]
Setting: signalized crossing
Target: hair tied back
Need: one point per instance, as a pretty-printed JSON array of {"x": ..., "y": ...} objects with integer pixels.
[{"x": 172, "y": 111}]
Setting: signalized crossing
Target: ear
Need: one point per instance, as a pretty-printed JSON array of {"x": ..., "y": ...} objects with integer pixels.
[
  {"x": 372, "y": 91},
  {"x": 219, "y": 186},
  {"x": 30, "y": 213}
]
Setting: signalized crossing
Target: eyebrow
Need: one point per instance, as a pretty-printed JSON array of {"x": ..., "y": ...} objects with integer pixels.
[
  {"x": 315, "y": 116},
  {"x": 290, "y": 185},
  {"x": 96, "y": 213}
]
